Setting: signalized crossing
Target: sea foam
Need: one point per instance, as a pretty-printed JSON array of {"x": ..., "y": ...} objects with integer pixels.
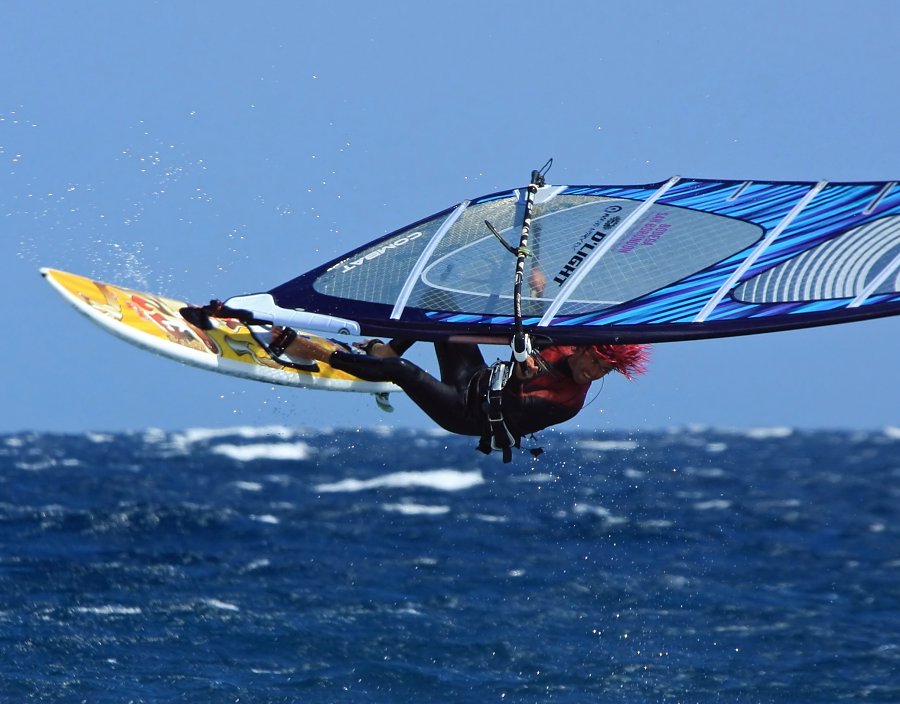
[
  {"x": 607, "y": 445},
  {"x": 769, "y": 433},
  {"x": 265, "y": 451},
  {"x": 192, "y": 435},
  {"x": 416, "y": 509},
  {"x": 440, "y": 479}
]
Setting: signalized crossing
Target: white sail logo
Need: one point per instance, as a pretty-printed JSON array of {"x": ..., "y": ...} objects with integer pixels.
[{"x": 375, "y": 253}]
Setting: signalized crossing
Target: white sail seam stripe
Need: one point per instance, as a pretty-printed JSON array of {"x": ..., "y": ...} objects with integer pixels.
[
  {"x": 606, "y": 244},
  {"x": 756, "y": 253},
  {"x": 739, "y": 191},
  {"x": 887, "y": 188},
  {"x": 419, "y": 267}
]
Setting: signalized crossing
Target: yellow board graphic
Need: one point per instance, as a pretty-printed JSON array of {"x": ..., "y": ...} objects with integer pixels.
[{"x": 230, "y": 347}]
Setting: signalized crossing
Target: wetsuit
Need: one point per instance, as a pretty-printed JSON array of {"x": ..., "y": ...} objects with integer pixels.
[{"x": 456, "y": 402}]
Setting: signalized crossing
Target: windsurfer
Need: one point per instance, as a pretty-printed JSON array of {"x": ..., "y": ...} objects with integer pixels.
[{"x": 550, "y": 387}]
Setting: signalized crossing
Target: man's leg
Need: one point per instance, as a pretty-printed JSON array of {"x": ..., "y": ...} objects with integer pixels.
[{"x": 444, "y": 403}]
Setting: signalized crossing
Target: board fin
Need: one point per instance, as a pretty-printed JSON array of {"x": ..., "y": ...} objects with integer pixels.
[{"x": 383, "y": 401}]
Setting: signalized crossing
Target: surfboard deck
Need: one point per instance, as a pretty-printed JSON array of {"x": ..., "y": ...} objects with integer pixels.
[{"x": 154, "y": 323}]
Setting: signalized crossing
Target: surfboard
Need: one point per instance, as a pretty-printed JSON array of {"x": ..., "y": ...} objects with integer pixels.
[{"x": 154, "y": 323}]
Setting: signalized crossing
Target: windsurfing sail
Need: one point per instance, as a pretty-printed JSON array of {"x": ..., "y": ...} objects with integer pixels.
[{"x": 681, "y": 259}]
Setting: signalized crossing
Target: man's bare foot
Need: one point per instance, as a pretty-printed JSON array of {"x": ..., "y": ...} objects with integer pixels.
[
  {"x": 303, "y": 347},
  {"x": 376, "y": 348}
]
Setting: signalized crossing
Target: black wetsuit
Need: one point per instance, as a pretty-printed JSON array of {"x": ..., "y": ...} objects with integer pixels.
[{"x": 456, "y": 402}]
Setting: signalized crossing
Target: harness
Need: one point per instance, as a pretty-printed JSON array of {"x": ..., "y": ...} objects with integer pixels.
[
  {"x": 551, "y": 388},
  {"x": 497, "y": 436}
]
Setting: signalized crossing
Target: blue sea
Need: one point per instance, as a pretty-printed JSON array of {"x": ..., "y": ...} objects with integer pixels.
[{"x": 285, "y": 565}]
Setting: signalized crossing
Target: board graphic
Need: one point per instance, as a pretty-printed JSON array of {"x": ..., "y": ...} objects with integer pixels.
[{"x": 229, "y": 347}]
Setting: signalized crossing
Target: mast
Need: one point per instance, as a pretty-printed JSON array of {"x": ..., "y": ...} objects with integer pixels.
[{"x": 521, "y": 343}]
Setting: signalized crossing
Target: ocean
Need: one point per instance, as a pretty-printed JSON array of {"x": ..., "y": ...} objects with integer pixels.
[{"x": 289, "y": 565}]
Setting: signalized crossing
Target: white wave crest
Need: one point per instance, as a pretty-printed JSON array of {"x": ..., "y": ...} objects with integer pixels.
[
  {"x": 109, "y": 610},
  {"x": 769, "y": 433},
  {"x": 192, "y": 435},
  {"x": 266, "y": 518},
  {"x": 265, "y": 451},
  {"x": 416, "y": 509},
  {"x": 713, "y": 505},
  {"x": 607, "y": 445},
  {"x": 440, "y": 479},
  {"x": 221, "y": 605},
  {"x": 247, "y": 486},
  {"x": 892, "y": 432},
  {"x": 601, "y": 512},
  {"x": 536, "y": 478}
]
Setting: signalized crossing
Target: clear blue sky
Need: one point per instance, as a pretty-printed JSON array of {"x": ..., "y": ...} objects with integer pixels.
[{"x": 212, "y": 148}]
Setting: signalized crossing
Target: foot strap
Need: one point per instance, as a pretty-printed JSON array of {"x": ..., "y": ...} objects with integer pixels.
[
  {"x": 199, "y": 316},
  {"x": 367, "y": 348},
  {"x": 281, "y": 341}
]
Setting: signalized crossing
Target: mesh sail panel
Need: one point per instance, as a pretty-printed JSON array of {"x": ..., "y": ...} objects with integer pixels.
[
  {"x": 377, "y": 274},
  {"x": 471, "y": 272},
  {"x": 480, "y": 265},
  {"x": 662, "y": 247}
]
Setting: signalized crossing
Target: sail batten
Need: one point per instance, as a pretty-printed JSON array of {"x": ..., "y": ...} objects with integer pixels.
[
  {"x": 879, "y": 279},
  {"x": 416, "y": 272}
]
